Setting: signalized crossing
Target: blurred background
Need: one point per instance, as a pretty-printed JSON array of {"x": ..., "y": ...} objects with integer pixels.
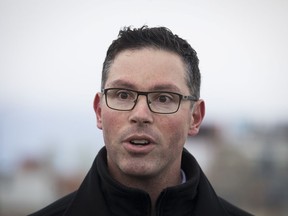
[{"x": 51, "y": 55}]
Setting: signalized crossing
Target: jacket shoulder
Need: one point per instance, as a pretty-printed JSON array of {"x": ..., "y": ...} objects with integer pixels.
[
  {"x": 233, "y": 210},
  {"x": 57, "y": 208}
]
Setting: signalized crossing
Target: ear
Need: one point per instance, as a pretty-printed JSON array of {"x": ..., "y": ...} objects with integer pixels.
[
  {"x": 198, "y": 113},
  {"x": 98, "y": 109}
]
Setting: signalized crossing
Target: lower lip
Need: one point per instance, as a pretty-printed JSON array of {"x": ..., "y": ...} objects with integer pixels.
[{"x": 138, "y": 149}]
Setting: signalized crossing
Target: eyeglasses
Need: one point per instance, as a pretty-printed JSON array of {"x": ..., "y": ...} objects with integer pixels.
[{"x": 158, "y": 101}]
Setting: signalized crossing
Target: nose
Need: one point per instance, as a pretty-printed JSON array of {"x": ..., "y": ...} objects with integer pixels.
[{"x": 141, "y": 112}]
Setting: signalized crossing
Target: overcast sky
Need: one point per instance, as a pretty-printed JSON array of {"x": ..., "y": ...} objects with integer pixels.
[
  {"x": 51, "y": 51},
  {"x": 51, "y": 54}
]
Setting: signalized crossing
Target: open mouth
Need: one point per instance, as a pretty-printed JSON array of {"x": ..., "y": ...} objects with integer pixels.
[
  {"x": 139, "y": 145},
  {"x": 140, "y": 142}
]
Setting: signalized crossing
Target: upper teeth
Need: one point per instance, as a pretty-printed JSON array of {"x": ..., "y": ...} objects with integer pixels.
[{"x": 140, "y": 141}]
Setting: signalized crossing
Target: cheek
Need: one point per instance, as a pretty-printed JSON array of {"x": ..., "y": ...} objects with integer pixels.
[
  {"x": 176, "y": 131},
  {"x": 177, "y": 137},
  {"x": 112, "y": 122},
  {"x": 110, "y": 119}
]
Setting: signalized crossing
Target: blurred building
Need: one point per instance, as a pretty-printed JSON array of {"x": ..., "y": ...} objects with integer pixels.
[{"x": 247, "y": 166}]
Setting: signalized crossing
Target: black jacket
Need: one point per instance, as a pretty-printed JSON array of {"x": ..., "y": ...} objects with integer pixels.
[{"x": 100, "y": 195}]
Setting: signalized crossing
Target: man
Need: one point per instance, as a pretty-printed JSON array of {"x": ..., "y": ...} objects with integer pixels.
[{"x": 148, "y": 105}]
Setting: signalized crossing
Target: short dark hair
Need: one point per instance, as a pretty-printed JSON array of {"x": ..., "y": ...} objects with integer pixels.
[{"x": 159, "y": 38}]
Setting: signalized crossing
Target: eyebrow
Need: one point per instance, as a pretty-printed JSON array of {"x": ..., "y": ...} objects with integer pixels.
[
  {"x": 165, "y": 87},
  {"x": 158, "y": 87},
  {"x": 122, "y": 84}
]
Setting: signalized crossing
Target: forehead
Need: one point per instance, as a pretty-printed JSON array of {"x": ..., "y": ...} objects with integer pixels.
[{"x": 146, "y": 69}]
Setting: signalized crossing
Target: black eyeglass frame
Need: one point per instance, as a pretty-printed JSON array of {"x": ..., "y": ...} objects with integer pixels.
[{"x": 181, "y": 98}]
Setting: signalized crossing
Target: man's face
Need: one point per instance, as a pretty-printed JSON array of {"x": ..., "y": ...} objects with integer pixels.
[{"x": 141, "y": 143}]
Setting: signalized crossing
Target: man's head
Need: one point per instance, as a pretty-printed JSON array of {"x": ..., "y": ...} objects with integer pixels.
[
  {"x": 158, "y": 38},
  {"x": 146, "y": 109}
]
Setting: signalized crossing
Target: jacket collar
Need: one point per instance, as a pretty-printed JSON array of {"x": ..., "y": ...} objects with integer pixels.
[
  {"x": 101, "y": 195},
  {"x": 130, "y": 201}
]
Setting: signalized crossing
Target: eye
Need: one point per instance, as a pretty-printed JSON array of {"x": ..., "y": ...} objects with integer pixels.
[
  {"x": 124, "y": 95},
  {"x": 163, "y": 98}
]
